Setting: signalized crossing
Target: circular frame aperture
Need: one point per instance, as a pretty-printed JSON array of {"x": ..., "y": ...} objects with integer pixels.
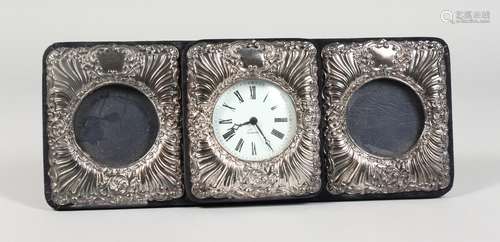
[
  {"x": 115, "y": 125},
  {"x": 385, "y": 117}
]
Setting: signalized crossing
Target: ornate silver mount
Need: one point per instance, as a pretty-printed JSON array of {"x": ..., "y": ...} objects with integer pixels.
[
  {"x": 72, "y": 73},
  {"x": 421, "y": 66},
  {"x": 75, "y": 72},
  {"x": 214, "y": 67}
]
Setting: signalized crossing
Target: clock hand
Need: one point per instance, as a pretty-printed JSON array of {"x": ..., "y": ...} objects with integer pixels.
[
  {"x": 269, "y": 145},
  {"x": 263, "y": 136},
  {"x": 237, "y": 126}
]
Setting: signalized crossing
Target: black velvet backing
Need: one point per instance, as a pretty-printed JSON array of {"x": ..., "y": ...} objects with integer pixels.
[
  {"x": 116, "y": 125},
  {"x": 188, "y": 199},
  {"x": 385, "y": 117}
]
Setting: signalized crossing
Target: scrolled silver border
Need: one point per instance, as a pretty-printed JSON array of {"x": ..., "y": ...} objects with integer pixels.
[
  {"x": 421, "y": 66},
  {"x": 73, "y": 73},
  {"x": 214, "y": 172}
]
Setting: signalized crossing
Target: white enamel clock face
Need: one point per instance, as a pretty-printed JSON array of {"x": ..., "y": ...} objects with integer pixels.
[{"x": 254, "y": 120}]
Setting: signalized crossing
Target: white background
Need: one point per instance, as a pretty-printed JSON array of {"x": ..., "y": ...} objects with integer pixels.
[{"x": 470, "y": 212}]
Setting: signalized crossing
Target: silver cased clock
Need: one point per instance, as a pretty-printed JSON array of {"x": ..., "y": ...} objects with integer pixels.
[
  {"x": 76, "y": 179},
  {"x": 216, "y": 173}
]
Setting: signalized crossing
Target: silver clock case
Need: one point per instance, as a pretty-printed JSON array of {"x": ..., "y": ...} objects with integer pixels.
[
  {"x": 212, "y": 68},
  {"x": 421, "y": 66},
  {"x": 76, "y": 179}
]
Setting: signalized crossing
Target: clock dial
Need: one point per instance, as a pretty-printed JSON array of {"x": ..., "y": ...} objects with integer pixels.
[{"x": 254, "y": 120}]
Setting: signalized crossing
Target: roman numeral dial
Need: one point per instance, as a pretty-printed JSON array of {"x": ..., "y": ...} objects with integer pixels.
[
  {"x": 277, "y": 133},
  {"x": 229, "y": 134},
  {"x": 254, "y": 120},
  {"x": 225, "y": 121},
  {"x": 239, "y": 146},
  {"x": 253, "y": 95},
  {"x": 238, "y": 95},
  {"x": 280, "y": 120}
]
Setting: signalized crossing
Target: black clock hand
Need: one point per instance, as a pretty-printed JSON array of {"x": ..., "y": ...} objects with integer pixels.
[
  {"x": 237, "y": 126},
  {"x": 263, "y": 136}
]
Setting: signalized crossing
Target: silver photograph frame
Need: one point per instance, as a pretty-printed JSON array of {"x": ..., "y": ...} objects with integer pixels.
[
  {"x": 419, "y": 64},
  {"x": 74, "y": 72},
  {"x": 214, "y": 172}
]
